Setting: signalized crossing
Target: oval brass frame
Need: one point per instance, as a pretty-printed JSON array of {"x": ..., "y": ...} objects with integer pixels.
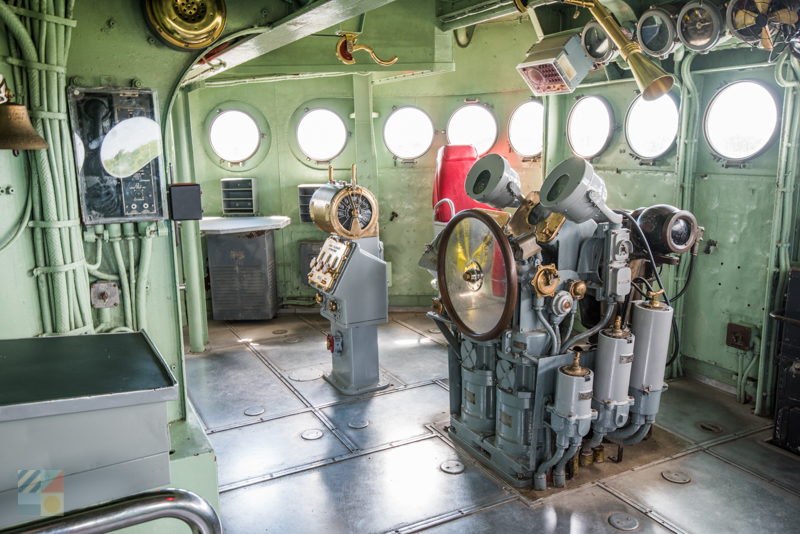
[
  {"x": 174, "y": 29},
  {"x": 512, "y": 291}
]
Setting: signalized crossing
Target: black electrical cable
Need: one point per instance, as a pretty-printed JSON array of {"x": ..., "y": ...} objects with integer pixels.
[
  {"x": 676, "y": 335},
  {"x": 688, "y": 279}
]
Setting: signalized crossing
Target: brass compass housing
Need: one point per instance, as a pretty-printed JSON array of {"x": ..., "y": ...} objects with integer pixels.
[
  {"x": 346, "y": 210},
  {"x": 186, "y": 24}
]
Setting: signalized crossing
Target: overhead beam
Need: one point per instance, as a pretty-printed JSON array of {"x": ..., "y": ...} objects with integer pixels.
[
  {"x": 315, "y": 17},
  {"x": 476, "y": 13}
]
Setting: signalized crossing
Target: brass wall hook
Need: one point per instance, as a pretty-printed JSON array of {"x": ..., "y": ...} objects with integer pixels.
[{"x": 346, "y": 45}]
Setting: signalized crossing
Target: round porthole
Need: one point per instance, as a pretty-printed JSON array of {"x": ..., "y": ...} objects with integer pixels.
[
  {"x": 234, "y": 136},
  {"x": 321, "y": 134},
  {"x": 237, "y": 136},
  {"x": 589, "y": 126},
  {"x": 741, "y": 120},
  {"x": 526, "y": 129},
  {"x": 652, "y": 126},
  {"x": 474, "y": 125},
  {"x": 408, "y": 133}
]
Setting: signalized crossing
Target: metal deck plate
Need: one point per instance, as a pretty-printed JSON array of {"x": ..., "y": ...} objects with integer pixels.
[
  {"x": 253, "y": 330},
  {"x": 319, "y": 391},
  {"x": 687, "y": 404},
  {"x": 374, "y": 493},
  {"x": 393, "y": 416},
  {"x": 764, "y": 459},
  {"x": 264, "y": 448},
  {"x": 410, "y": 357},
  {"x": 584, "y": 511},
  {"x": 720, "y": 497},
  {"x": 224, "y": 383},
  {"x": 300, "y": 347}
]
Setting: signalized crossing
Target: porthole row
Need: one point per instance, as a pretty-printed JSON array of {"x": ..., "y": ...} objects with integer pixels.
[{"x": 239, "y": 135}]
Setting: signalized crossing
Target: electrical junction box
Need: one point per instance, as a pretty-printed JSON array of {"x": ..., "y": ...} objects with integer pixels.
[
  {"x": 91, "y": 409},
  {"x": 555, "y": 65},
  {"x": 184, "y": 202}
]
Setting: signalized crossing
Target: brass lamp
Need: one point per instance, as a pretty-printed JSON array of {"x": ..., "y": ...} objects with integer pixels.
[{"x": 16, "y": 130}]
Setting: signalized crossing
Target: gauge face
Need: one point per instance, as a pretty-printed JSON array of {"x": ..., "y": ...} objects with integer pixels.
[
  {"x": 656, "y": 32},
  {"x": 597, "y": 44},
  {"x": 354, "y": 212},
  {"x": 477, "y": 275},
  {"x": 698, "y": 28}
]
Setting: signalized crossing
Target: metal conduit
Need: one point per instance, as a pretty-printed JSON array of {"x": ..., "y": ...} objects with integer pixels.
[{"x": 133, "y": 510}]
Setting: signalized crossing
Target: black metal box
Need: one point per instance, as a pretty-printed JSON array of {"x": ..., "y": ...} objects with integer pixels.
[{"x": 184, "y": 202}]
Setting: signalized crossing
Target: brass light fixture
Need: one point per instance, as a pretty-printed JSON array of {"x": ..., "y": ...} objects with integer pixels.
[{"x": 16, "y": 130}]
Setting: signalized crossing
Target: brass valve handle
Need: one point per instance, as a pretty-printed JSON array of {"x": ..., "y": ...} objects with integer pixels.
[
  {"x": 347, "y": 45},
  {"x": 654, "y": 302}
]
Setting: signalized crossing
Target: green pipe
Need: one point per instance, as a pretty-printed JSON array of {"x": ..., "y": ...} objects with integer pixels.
[
  {"x": 55, "y": 254},
  {"x": 687, "y": 152},
  {"x": 130, "y": 236},
  {"x": 145, "y": 254},
  {"x": 114, "y": 233},
  {"x": 194, "y": 278},
  {"x": 782, "y": 217}
]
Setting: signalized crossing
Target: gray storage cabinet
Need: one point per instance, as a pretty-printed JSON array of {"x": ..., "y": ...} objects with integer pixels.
[
  {"x": 243, "y": 276},
  {"x": 91, "y": 406}
]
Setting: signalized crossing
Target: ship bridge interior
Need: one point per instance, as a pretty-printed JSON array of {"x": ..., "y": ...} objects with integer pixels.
[{"x": 394, "y": 266}]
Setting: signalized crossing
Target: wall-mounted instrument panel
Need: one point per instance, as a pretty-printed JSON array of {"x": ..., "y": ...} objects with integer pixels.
[{"x": 117, "y": 142}]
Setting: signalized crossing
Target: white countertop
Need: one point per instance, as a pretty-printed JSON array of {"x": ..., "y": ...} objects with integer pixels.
[{"x": 238, "y": 225}]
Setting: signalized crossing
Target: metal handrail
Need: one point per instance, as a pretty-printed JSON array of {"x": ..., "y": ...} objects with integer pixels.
[{"x": 128, "y": 511}]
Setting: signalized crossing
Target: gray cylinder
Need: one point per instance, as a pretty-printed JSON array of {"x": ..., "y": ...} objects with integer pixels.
[
  {"x": 612, "y": 366},
  {"x": 651, "y": 326},
  {"x": 573, "y": 394}
]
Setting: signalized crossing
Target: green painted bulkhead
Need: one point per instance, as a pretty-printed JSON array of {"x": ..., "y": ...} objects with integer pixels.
[{"x": 738, "y": 277}]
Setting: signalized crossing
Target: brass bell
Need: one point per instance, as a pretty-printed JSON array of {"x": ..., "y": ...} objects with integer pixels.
[{"x": 16, "y": 130}]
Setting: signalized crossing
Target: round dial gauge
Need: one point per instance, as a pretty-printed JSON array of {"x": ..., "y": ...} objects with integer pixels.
[
  {"x": 700, "y": 25},
  {"x": 349, "y": 211},
  {"x": 354, "y": 212},
  {"x": 477, "y": 275}
]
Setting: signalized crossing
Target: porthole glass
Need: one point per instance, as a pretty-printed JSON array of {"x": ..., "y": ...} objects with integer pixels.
[
  {"x": 408, "y": 132},
  {"x": 652, "y": 126},
  {"x": 234, "y": 136},
  {"x": 321, "y": 134},
  {"x": 474, "y": 125},
  {"x": 741, "y": 120},
  {"x": 526, "y": 128},
  {"x": 589, "y": 126}
]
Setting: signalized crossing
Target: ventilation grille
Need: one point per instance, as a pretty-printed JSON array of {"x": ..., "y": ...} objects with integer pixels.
[
  {"x": 239, "y": 196},
  {"x": 304, "y": 194}
]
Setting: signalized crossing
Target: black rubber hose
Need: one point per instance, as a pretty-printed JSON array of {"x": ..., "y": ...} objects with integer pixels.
[{"x": 688, "y": 278}]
